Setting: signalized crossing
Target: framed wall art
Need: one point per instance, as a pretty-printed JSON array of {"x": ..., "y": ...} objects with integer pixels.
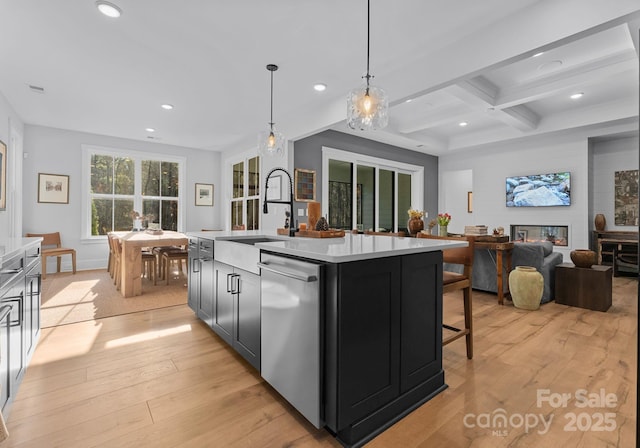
[
  {"x": 204, "y": 194},
  {"x": 469, "y": 201},
  {"x": 3, "y": 176},
  {"x": 626, "y": 198},
  {"x": 53, "y": 188},
  {"x": 305, "y": 185}
]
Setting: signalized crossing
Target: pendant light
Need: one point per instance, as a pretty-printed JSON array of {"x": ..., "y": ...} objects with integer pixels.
[
  {"x": 271, "y": 142},
  {"x": 367, "y": 106}
]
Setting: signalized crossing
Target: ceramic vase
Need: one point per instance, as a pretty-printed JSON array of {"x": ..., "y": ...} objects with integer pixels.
[
  {"x": 443, "y": 231},
  {"x": 583, "y": 258},
  {"x": 600, "y": 222},
  {"x": 415, "y": 225},
  {"x": 526, "y": 286}
]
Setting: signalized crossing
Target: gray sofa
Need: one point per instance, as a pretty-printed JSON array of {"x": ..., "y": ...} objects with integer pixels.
[{"x": 539, "y": 255}]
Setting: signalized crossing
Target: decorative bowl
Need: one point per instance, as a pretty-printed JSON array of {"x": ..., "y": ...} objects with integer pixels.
[{"x": 583, "y": 258}]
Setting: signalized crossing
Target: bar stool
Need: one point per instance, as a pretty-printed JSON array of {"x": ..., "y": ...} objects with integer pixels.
[{"x": 158, "y": 251}]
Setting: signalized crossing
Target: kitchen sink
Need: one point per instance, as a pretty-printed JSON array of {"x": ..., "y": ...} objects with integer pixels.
[{"x": 244, "y": 255}]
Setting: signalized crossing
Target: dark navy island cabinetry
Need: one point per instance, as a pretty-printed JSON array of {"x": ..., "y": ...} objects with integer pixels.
[
  {"x": 383, "y": 341},
  {"x": 20, "y": 284},
  {"x": 380, "y": 302}
]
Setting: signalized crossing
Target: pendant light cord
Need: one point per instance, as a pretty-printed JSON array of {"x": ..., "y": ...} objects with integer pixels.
[
  {"x": 368, "y": 40},
  {"x": 271, "y": 121}
]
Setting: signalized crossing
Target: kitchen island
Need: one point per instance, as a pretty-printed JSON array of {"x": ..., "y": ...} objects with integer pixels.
[{"x": 358, "y": 343}]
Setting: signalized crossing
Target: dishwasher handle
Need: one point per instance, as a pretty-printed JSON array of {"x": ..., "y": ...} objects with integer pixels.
[{"x": 288, "y": 273}]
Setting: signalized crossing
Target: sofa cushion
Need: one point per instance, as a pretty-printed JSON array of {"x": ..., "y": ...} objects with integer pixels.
[{"x": 547, "y": 248}]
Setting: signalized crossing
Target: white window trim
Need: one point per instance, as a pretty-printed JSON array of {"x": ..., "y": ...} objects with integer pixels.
[
  {"x": 416, "y": 172},
  {"x": 137, "y": 156}
]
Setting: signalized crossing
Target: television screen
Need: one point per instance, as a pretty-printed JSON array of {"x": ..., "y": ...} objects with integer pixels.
[{"x": 539, "y": 190}]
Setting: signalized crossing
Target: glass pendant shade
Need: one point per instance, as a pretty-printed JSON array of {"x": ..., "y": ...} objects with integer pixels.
[
  {"x": 271, "y": 143},
  {"x": 367, "y": 108}
]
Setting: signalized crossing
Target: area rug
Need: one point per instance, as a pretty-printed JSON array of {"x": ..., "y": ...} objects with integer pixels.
[{"x": 88, "y": 295}]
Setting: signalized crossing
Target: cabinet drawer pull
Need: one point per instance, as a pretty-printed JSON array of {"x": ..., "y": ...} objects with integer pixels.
[{"x": 12, "y": 271}]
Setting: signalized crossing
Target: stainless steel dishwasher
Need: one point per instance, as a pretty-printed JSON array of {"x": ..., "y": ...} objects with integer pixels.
[{"x": 291, "y": 333}]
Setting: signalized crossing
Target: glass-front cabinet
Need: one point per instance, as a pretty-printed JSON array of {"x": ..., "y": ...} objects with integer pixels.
[{"x": 245, "y": 201}]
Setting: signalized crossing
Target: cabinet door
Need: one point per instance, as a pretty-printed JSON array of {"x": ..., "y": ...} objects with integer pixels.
[
  {"x": 246, "y": 339},
  {"x": 223, "y": 301},
  {"x": 32, "y": 309},
  {"x": 207, "y": 280},
  {"x": 369, "y": 337},
  {"x": 15, "y": 298},
  {"x": 207, "y": 290},
  {"x": 193, "y": 282},
  {"x": 5, "y": 345},
  {"x": 421, "y": 335}
]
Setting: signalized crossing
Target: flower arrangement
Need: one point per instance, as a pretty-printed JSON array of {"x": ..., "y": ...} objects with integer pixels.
[
  {"x": 444, "y": 219},
  {"x": 415, "y": 214}
]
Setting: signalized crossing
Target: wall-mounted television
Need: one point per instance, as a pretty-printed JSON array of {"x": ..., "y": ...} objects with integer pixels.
[{"x": 539, "y": 190}]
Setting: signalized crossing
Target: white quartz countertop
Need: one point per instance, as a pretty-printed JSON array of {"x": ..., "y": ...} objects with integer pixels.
[
  {"x": 337, "y": 250},
  {"x": 12, "y": 246}
]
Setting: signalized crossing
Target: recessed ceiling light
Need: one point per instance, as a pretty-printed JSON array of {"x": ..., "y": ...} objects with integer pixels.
[
  {"x": 538, "y": 54},
  {"x": 320, "y": 87},
  {"x": 409, "y": 100},
  {"x": 577, "y": 95},
  {"x": 551, "y": 65},
  {"x": 149, "y": 129},
  {"x": 36, "y": 89},
  {"x": 463, "y": 124},
  {"x": 167, "y": 106},
  {"x": 109, "y": 9}
]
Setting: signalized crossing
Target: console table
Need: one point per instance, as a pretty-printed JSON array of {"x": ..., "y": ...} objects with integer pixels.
[
  {"x": 588, "y": 288},
  {"x": 504, "y": 251},
  {"x": 606, "y": 242}
]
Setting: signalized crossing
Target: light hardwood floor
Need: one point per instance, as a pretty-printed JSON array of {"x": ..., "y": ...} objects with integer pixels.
[{"x": 161, "y": 378}]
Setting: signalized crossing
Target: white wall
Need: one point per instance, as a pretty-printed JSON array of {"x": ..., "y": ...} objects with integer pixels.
[
  {"x": 10, "y": 218},
  {"x": 453, "y": 199},
  {"x": 57, "y": 151},
  {"x": 490, "y": 168},
  {"x": 607, "y": 158}
]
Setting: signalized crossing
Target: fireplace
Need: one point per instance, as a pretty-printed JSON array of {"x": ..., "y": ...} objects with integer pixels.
[{"x": 530, "y": 233}]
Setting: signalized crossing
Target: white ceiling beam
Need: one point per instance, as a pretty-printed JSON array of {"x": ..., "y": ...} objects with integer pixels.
[
  {"x": 582, "y": 74},
  {"x": 519, "y": 117}
]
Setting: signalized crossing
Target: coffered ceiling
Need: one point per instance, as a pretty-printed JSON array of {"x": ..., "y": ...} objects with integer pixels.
[{"x": 65, "y": 65}]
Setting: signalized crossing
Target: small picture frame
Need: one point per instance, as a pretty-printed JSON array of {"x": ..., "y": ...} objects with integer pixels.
[
  {"x": 53, "y": 188},
  {"x": 521, "y": 235},
  {"x": 274, "y": 188},
  {"x": 305, "y": 185},
  {"x": 204, "y": 194},
  {"x": 3, "y": 176},
  {"x": 470, "y": 202}
]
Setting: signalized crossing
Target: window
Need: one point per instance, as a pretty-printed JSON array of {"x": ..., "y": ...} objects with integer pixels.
[
  {"x": 118, "y": 183},
  {"x": 369, "y": 193},
  {"x": 246, "y": 195}
]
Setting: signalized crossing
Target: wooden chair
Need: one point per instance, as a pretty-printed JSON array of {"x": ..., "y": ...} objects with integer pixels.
[
  {"x": 52, "y": 247},
  {"x": 371, "y": 232},
  {"x": 453, "y": 281},
  {"x": 111, "y": 262},
  {"x": 173, "y": 255},
  {"x": 116, "y": 251},
  {"x": 149, "y": 265}
]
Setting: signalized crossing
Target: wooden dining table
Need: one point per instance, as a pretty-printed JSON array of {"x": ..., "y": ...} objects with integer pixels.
[{"x": 131, "y": 261}]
